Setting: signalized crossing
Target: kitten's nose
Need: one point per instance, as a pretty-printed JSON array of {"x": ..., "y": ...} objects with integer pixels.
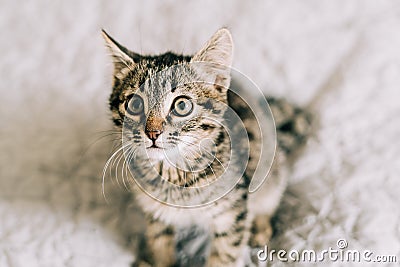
[
  {"x": 154, "y": 126},
  {"x": 153, "y": 135}
]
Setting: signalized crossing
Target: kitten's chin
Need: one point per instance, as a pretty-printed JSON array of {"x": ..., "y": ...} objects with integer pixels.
[
  {"x": 155, "y": 153},
  {"x": 170, "y": 156}
]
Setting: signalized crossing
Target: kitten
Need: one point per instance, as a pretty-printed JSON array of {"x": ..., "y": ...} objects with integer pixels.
[{"x": 157, "y": 115}]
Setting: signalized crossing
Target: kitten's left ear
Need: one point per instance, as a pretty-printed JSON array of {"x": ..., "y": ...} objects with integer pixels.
[
  {"x": 123, "y": 58},
  {"x": 218, "y": 54}
]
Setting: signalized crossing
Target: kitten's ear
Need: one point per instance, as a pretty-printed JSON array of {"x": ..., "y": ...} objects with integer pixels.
[
  {"x": 217, "y": 53},
  {"x": 217, "y": 50},
  {"x": 123, "y": 58}
]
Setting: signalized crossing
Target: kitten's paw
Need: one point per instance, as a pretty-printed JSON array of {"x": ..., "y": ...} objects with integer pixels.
[{"x": 261, "y": 231}]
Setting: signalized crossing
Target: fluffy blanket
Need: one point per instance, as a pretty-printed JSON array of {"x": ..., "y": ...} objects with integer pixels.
[{"x": 340, "y": 58}]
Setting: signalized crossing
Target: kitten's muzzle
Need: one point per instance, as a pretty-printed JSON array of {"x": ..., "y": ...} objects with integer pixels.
[{"x": 153, "y": 135}]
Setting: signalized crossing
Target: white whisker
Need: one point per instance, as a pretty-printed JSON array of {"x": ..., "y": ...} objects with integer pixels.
[
  {"x": 210, "y": 154},
  {"x": 107, "y": 165}
]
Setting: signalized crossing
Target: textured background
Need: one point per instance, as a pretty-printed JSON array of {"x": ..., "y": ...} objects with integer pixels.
[{"x": 340, "y": 57}]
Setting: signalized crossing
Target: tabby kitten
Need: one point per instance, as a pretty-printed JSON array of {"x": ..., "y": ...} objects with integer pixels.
[{"x": 157, "y": 115}]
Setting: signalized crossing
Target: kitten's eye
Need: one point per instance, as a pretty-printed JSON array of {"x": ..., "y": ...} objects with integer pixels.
[
  {"x": 135, "y": 105},
  {"x": 182, "y": 106}
]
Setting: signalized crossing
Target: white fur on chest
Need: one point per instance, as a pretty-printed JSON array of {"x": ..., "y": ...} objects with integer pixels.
[
  {"x": 176, "y": 216},
  {"x": 181, "y": 217}
]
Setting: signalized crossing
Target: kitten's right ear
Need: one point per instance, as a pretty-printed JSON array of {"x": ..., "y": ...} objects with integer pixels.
[
  {"x": 218, "y": 53},
  {"x": 123, "y": 58}
]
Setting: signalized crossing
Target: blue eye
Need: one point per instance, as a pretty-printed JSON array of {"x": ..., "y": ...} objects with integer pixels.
[
  {"x": 182, "y": 106},
  {"x": 135, "y": 105}
]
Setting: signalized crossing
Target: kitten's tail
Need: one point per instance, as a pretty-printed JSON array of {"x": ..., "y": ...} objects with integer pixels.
[{"x": 293, "y": 124}]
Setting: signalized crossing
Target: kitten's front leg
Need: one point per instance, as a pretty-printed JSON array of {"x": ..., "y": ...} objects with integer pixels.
[
  {"x": 229, "y": 236},
  {"x": 160, "y": 243}
]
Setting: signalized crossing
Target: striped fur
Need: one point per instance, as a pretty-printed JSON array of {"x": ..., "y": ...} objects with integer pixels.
[{"x": 236, "y": 219}]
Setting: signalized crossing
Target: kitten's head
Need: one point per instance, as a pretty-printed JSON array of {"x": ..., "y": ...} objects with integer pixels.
[{"x": 169, "y": 102}]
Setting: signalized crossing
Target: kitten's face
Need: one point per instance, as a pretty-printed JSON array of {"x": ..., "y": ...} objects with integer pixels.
[
  {"x": 169, "y": 118},
  {"x": 163, "y": 104}
]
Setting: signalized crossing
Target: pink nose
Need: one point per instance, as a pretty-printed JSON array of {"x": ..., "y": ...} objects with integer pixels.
[{"x": 153, "y": 135}]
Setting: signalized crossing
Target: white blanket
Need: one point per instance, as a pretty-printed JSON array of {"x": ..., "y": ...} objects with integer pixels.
[{"x": 340, "y": 57}]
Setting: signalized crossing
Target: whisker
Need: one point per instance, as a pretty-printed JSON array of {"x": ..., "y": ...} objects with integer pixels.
[
  {"x": 87, "y": 147},
  {"x": 194, "y": 144},
  {"x": 125, "y": 165},
  {"x": 107, "y": 165},
  {"x": 130, "y": 157},
  {"x": 205, "y": 173},
  {"x": 116, "y": 159},
  {"x": 216, "y": 158},
  {"x": 209, "y": 164}
]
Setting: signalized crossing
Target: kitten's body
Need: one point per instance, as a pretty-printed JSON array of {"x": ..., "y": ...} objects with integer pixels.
[{"x": 238, "y": 218}]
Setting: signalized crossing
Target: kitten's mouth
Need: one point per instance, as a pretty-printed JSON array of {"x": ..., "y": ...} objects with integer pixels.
[
  {"x": 155, "y": 146},
  {"x": 155, "y": 152}
]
